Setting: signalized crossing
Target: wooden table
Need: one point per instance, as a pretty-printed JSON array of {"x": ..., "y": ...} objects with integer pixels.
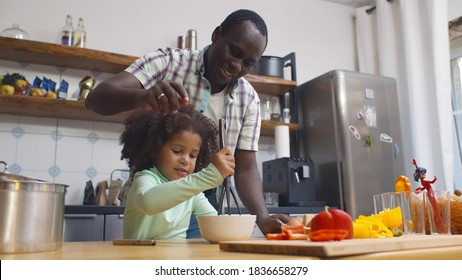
[{"x": 199, "y": 249}]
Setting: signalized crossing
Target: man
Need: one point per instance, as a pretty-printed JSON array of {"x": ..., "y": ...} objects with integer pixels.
[{"x": 210, "y": 79}]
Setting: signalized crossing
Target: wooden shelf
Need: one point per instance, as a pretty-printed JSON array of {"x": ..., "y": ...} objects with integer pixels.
[
  {"x": 41, "y": 53},
  {"x": 70, "y": 109},
  {"x": 87, "y": 59},
  {"x": 63, "y": 56},
  {"x": 267, "y": 127},
  {"x": 270, "y": 85}
]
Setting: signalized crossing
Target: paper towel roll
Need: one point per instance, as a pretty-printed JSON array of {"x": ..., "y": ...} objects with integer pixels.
[{"x": 282, "y": 141}]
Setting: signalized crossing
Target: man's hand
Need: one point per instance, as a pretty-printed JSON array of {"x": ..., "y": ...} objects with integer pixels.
[
  {"x": 273, "y": 223},
  {"x": 166, "y": 97}
]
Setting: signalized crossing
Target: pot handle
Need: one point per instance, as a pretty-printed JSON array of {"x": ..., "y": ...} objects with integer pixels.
[
  {"x": 5, "y": 164},
  {"x": 289, "y": 60}
]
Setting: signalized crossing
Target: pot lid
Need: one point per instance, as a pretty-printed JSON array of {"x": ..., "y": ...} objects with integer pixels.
[
  {"x": 40, "y": 186},
  {"x": 271, "y": 57},
  {"x": 9, "y": 181},
  {"x": 6, "y": 176}
]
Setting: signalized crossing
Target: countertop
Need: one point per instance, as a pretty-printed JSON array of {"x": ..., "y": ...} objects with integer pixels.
[
  {"x": 119, "y": 210},
  {"x": 200, "y": 249}
]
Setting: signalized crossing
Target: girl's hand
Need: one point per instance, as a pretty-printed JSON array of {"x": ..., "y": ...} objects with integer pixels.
[{"x": 224, "y": 162}]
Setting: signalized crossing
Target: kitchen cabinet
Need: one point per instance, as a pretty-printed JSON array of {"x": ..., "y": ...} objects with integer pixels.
[
  {"x": 83, "y": 227},
  {"x": 113, "y": 227},
  {"x": 92, "y": 223},
  {"x": 92, "y": 227},
  {"x": 27, "y": 51}
]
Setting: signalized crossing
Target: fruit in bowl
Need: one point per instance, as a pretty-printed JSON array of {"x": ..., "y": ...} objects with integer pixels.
[
  {"x": 215, "y": 229},
  {"x": 14, "y": 84}
]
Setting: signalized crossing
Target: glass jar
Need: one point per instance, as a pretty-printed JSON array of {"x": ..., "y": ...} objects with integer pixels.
[{"x": 15, "y": 32}]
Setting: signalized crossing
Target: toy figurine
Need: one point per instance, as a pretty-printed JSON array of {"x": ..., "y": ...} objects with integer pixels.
[{"x": 420, "y": 174}]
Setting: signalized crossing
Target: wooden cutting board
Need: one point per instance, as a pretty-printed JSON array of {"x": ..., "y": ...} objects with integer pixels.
[{"x": 341, "y": 248}]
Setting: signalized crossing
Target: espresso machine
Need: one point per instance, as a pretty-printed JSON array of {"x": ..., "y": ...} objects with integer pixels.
[{"x": 293, "y": 179}]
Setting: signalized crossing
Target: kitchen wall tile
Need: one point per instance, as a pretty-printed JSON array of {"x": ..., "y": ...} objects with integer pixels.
[
  {"x": 35, "y": 152},
  {"x": 106, "y": 155},
  {"x": 39, "y": 174},
  {"x": 8, "y": 148},
  {"x": 108, "y": 130},
  {"x": 74, "y": 154},
  {"x": 9, "y": 67},
  {"x": 78, "y": 128},
  {"x": 37, "y": 125},
  {"x": 76, "y": 182},
  {"x": 30, "y": 71},
  {"x": 8, "y": 122}
]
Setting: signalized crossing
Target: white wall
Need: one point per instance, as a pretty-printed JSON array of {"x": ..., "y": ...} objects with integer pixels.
[
  {"x": 454, "y": 9},
  {"x": 320, "y": 33}
]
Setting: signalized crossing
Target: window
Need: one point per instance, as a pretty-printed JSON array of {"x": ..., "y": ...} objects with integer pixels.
[{"x": 456, "y": 66}]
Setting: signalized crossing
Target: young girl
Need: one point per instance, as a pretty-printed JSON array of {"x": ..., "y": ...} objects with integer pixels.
[{"x": 174, "y": 158}]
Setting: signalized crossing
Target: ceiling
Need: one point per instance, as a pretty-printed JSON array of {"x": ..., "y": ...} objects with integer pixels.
[{"x": 353, "y": 3}]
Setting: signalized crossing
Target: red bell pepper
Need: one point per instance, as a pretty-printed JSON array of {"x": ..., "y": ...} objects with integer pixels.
[
  {"x": 289, "y": 232},
  {"x": 333, "y": 219},
  {"x": 276, "y": 236},
  {"x": 328, "y": 235}
]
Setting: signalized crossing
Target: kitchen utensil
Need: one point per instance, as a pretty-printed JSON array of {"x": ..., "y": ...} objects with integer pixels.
[
  {"x": 134, "y": 242},
  {"x": 31, "y": 214},
  {"x": 226, "y": 191},
  {"x": 226, "y": 227}
]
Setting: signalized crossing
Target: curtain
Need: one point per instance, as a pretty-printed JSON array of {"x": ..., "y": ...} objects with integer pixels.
[{"x": 408, "y": 40}]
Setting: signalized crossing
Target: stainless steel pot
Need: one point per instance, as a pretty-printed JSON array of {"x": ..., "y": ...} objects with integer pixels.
[
  {"x": 31, "y": 214},
  {"x": 270, "y": 66}
]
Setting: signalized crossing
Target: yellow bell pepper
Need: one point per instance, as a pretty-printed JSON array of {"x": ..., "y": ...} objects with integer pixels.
[
  {"x": 391, "y": 218},
  {"x": 402, "y": 184},
  {"x": 370, "y": 227}
]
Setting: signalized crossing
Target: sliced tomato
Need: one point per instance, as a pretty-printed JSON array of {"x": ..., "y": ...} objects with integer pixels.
[{"x": 289, "y": 232}]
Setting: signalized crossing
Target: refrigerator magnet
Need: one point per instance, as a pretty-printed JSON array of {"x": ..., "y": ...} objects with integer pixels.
[
  {"x": 385, "y": 138},
  {"x": 368, "y": 141},
  {"x": 360, "y": 116},
  {"x": 355, "y": 132},
  {"x": 371, "y": 116}
]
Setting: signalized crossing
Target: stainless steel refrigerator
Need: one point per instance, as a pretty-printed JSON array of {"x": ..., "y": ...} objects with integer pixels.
[{"x": 350, "y": 129}]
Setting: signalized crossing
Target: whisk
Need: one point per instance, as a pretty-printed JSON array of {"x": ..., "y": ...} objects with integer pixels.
[{"x": 226, "y": 191}]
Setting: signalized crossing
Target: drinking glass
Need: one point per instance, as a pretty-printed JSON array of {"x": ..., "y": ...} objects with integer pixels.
[{"x": 438, "y": 212}]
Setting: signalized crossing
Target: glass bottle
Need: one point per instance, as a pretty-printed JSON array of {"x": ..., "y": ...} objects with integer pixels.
[
  {"x": 67, "y": 32},
  {"x": 80, "y": 35},
  {"x": 286, "y": 115}
]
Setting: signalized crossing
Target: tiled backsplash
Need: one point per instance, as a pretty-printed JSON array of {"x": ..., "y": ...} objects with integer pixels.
[
  {"x": 64, "y": 151},
  {"x": 61, "y": 151}
]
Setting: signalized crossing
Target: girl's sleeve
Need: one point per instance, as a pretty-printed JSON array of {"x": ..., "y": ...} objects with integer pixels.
[
  {"x": 203, "y": 207},
  {"x": 152, "y": 197}
]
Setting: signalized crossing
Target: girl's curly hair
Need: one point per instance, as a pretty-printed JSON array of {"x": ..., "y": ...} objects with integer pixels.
[{"x": 147, "y": 131}]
